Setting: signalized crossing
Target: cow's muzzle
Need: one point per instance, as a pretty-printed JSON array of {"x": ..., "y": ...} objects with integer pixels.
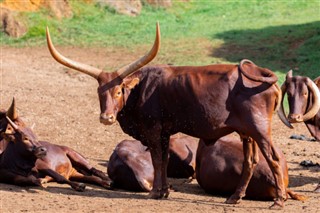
[
  {"x": 40, "y": 152},
  {"x": 295, "y": 118},
  {"x": 107, "y": 119}
]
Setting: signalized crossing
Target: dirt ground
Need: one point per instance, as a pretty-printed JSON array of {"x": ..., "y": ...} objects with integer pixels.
[{"x": 64, "y": 107}]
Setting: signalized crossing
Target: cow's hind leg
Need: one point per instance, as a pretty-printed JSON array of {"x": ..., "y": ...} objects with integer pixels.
[
  {"x": 63, "y": 180},
  {"x": 251, "y": 158},
  {"x": 82, "y": 165},
  {"x": 79, "y": 177},
  {"x": 273, "y": 160},
  {"x": 12, "y": 178}
]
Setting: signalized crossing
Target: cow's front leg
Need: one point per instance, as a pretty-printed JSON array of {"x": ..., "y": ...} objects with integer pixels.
[
  {"x": 251, "y": 158},
  {"x": 164, "y": 165},
  {"x": 9, "y": 177},
  {"x": 155, "y": 150},
  {"x": 273, "y": 160}
]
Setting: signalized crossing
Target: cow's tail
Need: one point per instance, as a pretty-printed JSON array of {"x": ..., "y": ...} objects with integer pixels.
[
  {"x": 296, "y": 196},
  {"x": 247, "y": 67}
]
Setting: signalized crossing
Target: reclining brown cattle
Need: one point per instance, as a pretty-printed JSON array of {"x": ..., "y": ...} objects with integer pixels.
[
  {"x": 218, "y": 169},
  {"x": 130, "y": 165},
  {"x": 154, "y": 102},
  {"x": 26, "y": 161},
  {"x": 304, "y": 104}
]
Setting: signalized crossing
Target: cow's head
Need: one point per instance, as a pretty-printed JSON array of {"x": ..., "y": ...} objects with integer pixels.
[
  {"x": 112, "y": 85},
  {"x": 25, "y": 140},
  {"x": 303, "y": 98}
]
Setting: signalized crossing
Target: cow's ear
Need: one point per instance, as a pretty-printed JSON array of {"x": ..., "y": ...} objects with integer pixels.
[
  {"x": 9, "y": 130},
  {"x": 131, "y": 83}
]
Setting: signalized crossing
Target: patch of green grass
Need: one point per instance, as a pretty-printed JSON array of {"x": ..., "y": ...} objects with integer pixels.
[{"x": 280, "y": 35}]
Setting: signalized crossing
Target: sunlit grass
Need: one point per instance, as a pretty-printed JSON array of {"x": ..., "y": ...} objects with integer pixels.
[{"x": 280, "y": 35}]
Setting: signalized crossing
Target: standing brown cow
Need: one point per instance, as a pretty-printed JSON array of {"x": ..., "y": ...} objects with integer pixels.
[
  {"x": 26, "y": 161},
  {"x": 304, "y": 104},
  {"x": 152, "y": 103}
]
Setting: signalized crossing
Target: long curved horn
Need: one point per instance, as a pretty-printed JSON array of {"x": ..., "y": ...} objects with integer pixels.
[
  {"x": 84, "y": 68},
  {"x": 12, "y": 111},
  {"x": 316, "y": 101},
  {"x": 269, "y": 77},
  {"x": 281, "y": 113},
  {"x": 130, "y": 68},
  {"x": 15, "y": 126}
]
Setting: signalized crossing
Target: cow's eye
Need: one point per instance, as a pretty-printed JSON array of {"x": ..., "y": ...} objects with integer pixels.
[{"x": 118, "y": 93}]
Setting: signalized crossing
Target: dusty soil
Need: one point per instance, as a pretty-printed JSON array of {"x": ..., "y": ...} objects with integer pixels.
[{"x": 63, "y": 105}]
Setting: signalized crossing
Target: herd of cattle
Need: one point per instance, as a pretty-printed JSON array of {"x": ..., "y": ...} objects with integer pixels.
[{"x": 154, "y": 104}]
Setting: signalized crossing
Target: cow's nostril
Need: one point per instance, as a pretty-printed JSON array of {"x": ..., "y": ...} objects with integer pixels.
[{"x": 295, "y": 117}]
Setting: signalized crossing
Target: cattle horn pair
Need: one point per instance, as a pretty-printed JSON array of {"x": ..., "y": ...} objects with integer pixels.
[
  {"x": 95, "y": 72},
  {"x": 314, "y": 108}
]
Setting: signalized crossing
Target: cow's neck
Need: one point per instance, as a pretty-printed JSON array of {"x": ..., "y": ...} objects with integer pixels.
[{"x": 11, "y": 160}]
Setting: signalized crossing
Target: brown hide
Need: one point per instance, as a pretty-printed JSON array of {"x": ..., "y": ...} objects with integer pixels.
[
  {"x": 20, "y": 166},
  {"x": 219, "y": 166},
  {"x": 130, "y": 165},
  {"x": 205, "y": 102},
  {"x": 301, "y": 100}
]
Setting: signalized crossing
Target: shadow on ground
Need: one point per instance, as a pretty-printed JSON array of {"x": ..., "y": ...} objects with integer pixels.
[{"x": 277, "y": 48}]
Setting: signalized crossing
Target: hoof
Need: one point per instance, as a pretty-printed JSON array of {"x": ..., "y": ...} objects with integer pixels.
[
  {"x": 234, "y": 199},
  {"x": 154, "y": 195},
  {"x": 107, "y": 184},
  {"x": 80, "y": 187},
  {"x": 99, "y": 174},
  {"x": 165, "y": 193},
  {"x": 277, "y": 205}
]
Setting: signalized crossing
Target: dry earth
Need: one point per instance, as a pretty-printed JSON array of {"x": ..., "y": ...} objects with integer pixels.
[{"x": 64, "y": 107}]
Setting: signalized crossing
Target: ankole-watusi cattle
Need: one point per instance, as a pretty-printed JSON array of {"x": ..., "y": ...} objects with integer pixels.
[
  {"x": 26, "y": 161},
  {"x": 219, "y": 166},
  {"x": 304, "y": 104},
  {"x": 130, "y": 165},
  {"x": 153, "y": 102}
]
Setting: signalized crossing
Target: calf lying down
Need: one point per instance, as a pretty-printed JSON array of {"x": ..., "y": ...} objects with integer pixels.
[
  {"x": 219, "y": 166},
  {"x": 26, "y": 161},
  {"x": 130, "y": 165}
]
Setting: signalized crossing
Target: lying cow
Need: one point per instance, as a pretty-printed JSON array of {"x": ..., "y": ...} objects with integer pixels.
[
  {"x": 219, "y": 166},
  {"x": 304, "y": 104},
  {"x": 26, "y": 161},
  {"x": 130, "y": 165},
  {"x": 151, "y": 103}
]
